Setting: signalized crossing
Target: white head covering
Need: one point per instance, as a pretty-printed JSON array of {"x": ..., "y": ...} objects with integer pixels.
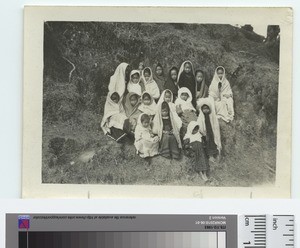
[
  {"x": 189, "y": 133},
  {"x": 209, "y": 101},
  {"x": 111, "y": 108},
  {"x": 117, "y": 81},
  {"x": 150, "y": 78},
  {"x": 148, "y": 109},
  {"x": 182, "y": 68},
  {"x": 162, "y": 96},
  {"x": 175, "y": 121},
  {"x": 185, "y": 105},
  {"x": 214, "y": 90},
  {"x": 132, "y": 87}
]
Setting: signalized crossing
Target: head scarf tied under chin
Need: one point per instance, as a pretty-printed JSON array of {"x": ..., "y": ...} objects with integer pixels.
[{"x": 189, "y": 133}]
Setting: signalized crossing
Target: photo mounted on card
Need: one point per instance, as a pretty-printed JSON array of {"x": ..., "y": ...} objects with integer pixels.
[{"x": 157, "y": 102}]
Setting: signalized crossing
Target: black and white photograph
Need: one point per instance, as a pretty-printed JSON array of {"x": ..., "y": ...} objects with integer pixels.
[{"x": 160, "y": 103}]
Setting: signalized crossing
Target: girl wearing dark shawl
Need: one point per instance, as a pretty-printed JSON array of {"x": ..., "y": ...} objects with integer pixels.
[
  {"x": 131, "y": 105},
  {"x": 166, "y": 125},
  {"x": 201, "y": 87},
  {"x": 171, "y": 83},
  {"x": 186, "y": 79},
  {"x": 209, "y": 127},
  {"x": 194, "y": 149},
  {"x": 159, "y": 77},
  {"x": 114, "y": 116}
]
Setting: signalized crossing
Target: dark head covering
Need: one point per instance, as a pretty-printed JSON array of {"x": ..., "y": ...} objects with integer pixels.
[{"x": 170, "y": 84}]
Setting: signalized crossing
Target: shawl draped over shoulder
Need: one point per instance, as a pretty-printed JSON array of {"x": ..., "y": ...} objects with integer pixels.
[
  {"x": 209, "y": 101},
  {"x": 148, "y": 109},
  {"x": 117, "y": 81},
  {"x": 187, "y": 80},
  {"x": 185, "y": 105},
  {"x": 150, "y": 85},
  {"x": 175, "y": 121},
  {"x": 189, "y": 133}
]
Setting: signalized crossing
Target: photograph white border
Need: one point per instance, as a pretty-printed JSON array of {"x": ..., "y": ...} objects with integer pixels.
[{"x": 34, "y": 18}]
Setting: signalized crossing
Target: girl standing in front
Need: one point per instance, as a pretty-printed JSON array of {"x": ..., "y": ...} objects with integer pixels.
[
  {"x": 195, "y": 150},
  {"x": 221, "y": 92},
  {"x": 186, "y": 79},
  {"x": 167, "y": 126},
  {"x": 209, "y": 127}
]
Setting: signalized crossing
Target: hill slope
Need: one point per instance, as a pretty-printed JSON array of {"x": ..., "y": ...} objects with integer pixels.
[{"x": 79, "y": 58}]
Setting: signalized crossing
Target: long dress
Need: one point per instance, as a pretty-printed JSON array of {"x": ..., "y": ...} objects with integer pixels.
[
  {"x": 209, "y": 127},
  {"x": 194, "y": 149},
  {"x": 218, "y": 89}
]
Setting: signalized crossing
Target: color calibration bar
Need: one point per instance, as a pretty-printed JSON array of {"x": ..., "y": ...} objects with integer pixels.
[{"x": 122, "y": 239}]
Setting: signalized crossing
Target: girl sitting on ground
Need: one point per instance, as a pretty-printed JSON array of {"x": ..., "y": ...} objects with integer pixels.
[
  {"x": 185, "y": 108},
  {"x": 148, "y": 105},
  {"x": 131, "y": 105},
  {"x": 135, "y": 84},
  {"x": 194, "y": 149},
  {"x": 166, "y": 125},
  {"x": 146, "y": 143},
  {"x": 221, "y": 92}
]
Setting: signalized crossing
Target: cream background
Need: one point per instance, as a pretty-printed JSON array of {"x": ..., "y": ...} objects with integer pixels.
[
  {"x": 11, "y": 80},
  {"x": 33, "y": 78}
]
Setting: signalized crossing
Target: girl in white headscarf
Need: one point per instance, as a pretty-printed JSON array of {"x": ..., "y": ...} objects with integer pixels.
[
  {"x": 167, "y": 96},
  {"x": 185, "y": 108},
  {"x": 209, "y": 127},
  {"x": 195, "y": 150},
  {"x": 166, "y": 125},
  {"x": 146, "y": 143},
  {"x": 114, "y": 115},
  {"x": 134, "y": 84},
  {"x": 221, "y": 91},
  {"x": 148, "y": 105},
  {"x": 150, "y": 85}
]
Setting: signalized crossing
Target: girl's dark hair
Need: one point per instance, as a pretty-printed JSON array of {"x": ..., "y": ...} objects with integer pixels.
[
  {"x": 197, "y": 126},
  {"x": 200, "y": 71},
  {"x": 220, "y": 68},
  {"x": 145, "y": 117},
  {"x": 146, "y": 94},
  {"x": 115, "y": 94},
  {"x": 147, "y": 70},
  {"x": 134, "y": 95},
  {"x": 168, "y": 91},
  {"x": 205, "y": 105},
  {"x": 174, "y": 68},
  {"x": 188, "y": 63},
  {"x": 159, "y": 65}
]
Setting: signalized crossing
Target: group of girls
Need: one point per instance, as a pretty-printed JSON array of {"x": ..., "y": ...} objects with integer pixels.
[{"x": 168, "y": 115}]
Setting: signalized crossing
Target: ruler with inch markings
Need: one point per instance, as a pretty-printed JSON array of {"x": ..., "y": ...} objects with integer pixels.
[{"x": 266, "y": 231}]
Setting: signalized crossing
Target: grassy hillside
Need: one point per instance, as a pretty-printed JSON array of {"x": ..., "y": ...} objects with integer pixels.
[{"x": 79, "y": 59}]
